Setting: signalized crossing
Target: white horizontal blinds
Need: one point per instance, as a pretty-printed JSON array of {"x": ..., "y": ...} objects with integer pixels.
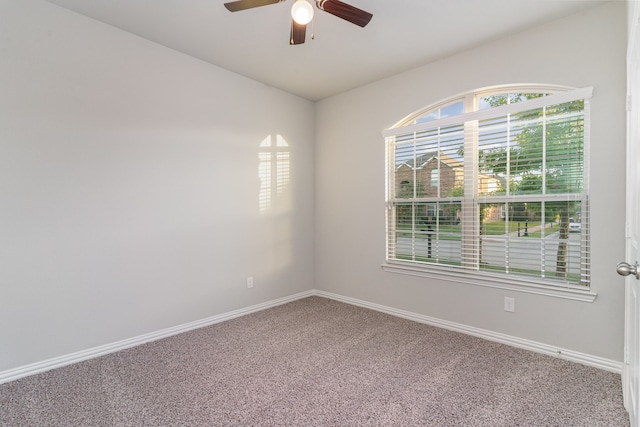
[
  {"x": 403, "y": 192},
  {"x": 564, "y": 142},
  {"x": 469, "y": 216},
  {"x": 585, "y": 243},
  {"x": 442, "y": 209},
  {"x": 537, "y": 152},
  {"x": 519, "y": 206},
  {"x": 428, "y": 172},
  {"x": 566, "y": 177}
]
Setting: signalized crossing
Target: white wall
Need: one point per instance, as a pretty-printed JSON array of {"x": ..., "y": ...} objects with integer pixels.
[
  {"x": 587, "y": 49},
  {"x": 129, "y": 187}
]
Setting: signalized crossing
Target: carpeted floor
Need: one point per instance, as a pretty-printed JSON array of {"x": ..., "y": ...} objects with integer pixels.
[{"x": 318, "y": 362}]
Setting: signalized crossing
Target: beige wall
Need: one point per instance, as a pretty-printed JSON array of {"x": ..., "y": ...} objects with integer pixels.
[
  {"x": 131, "y": 195},
  {"x": 586, "y": 49},
  {"x": 118, "y": 215}
]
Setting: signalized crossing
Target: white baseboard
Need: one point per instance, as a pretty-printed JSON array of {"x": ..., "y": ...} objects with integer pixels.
[
  {"x": 573, "y": 356},
  {"x": 57, "y": 362}
]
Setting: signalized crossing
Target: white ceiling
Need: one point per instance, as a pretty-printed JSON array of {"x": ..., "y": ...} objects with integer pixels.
[{"x": 403, "y": 34}]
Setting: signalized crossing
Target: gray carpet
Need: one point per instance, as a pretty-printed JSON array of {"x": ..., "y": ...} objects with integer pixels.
[{"x": 317, "y": 362}]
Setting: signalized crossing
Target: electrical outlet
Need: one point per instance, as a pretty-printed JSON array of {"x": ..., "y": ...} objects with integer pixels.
[
  {"x": 249, "y": 282},
  {"x": 509, "y": 304}
]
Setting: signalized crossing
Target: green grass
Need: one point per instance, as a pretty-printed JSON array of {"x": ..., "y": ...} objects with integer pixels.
[
  {"x": 445, "y": 232},
  {"x": 547, "y": 231},
  {"x": 497, "y": 228},
  {"x": 424, "y": 234}
]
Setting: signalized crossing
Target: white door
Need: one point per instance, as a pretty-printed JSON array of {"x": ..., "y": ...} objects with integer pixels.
[{"x": 631, "y": 367}]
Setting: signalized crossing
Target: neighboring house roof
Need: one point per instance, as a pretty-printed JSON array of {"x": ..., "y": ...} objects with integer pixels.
[
  {"x": 428, "y": 157},
  {"x": 424, "y": 159}
]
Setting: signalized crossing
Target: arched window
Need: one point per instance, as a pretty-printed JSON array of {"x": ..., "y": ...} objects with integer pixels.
[{"x": 496, "y": 178}]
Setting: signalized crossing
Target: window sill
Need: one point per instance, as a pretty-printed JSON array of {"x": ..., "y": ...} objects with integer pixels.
[{"x": 492, "y": 281}]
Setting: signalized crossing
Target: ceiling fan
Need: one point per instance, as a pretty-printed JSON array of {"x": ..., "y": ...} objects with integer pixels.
[{"x": 302, "y": 13}]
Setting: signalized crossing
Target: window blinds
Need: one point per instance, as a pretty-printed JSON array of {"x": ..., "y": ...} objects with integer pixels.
[{"x": 502, "y": 190}]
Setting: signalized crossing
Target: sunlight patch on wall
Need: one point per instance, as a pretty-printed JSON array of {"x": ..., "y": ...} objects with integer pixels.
[{"x": 273, "y": 171}]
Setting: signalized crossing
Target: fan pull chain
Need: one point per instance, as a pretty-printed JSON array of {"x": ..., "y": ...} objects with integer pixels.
[{"x": 313, "y": 34}]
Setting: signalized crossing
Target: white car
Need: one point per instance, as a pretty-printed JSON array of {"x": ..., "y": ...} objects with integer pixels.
[{"x": 574, "y": 227}]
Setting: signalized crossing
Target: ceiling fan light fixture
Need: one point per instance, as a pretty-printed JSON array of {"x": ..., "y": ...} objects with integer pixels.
[{"x": 302, "y": 12}]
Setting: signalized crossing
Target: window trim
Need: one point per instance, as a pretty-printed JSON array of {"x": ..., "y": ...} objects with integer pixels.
[
  {"x": 556, "y": 98},
  {"x": 559, "y": 95},
  {"x": 482, "y": 278}
]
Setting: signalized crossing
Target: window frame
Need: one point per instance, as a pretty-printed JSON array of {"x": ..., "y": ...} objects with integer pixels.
[
  {"x": 472, "y": 114},
  {"x": 435, "y": 177}
]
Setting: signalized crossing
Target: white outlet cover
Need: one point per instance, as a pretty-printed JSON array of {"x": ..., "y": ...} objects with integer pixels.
[{"x": 509, "y": 304}]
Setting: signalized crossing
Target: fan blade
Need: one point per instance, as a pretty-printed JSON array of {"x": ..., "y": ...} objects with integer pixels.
[
  {"x": 298, "y": 33},
  {"x": 345, "y": 11},
  {"x": 235, "y": 6}
]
